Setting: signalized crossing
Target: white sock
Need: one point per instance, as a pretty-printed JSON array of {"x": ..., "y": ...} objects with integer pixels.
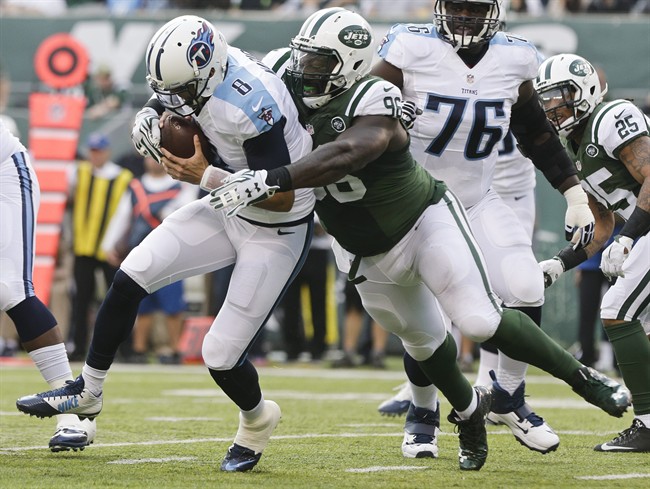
[
  {"x": 254, "y": 413},
  {"x": 52, "y": 362},
  {"x": 489, "y": 361},
  {"x": 467, "y": 413},
  {"x": 94, "y": 379},
  {"x": 645, "y": 419},
  {"x": 511, "y": 373},
  {"x": 425, "y": 397}
]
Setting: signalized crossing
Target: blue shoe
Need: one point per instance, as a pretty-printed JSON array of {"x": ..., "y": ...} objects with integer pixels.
[
  {"x": 399, "y": 403},
  {"x": 239, "y": 459},
  {"x": 69, "y": 438},
  {"x": 420, "y": 433},
  {"x": 251, "y": 439},
  {"x": 72, "y": 398},
  {"x": 528, "y": 428}
]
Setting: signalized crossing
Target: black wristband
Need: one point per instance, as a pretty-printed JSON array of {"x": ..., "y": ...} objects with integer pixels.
[
  {"x": 155, "y": 104},
  {"x": 571, "y": 258},
  {"x": 279, "y": 177},
  {"x": 637, "y": 225}
]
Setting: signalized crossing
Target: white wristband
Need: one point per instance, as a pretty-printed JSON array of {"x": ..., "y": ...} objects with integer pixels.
[{"x": 212, "y": 178}]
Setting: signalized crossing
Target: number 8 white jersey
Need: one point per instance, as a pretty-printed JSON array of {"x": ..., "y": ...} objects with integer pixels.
[{"x": 466, "y": 111}]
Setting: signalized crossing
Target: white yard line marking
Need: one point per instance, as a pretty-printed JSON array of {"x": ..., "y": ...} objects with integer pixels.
[
  {"x": 613, "y": 477},
  {"x": 13, "y": 450},
  {"x": 385, "y": 469},
  {"x": 170, "y": 419},
  {"x": 133, "y": 461}
]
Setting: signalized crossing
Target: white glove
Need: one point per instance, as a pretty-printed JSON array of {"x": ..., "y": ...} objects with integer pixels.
[
  {"x": 614, "y": 255},
  {"x": 240, "y": 190},
  {"x": 552, "y": 269},
  {"x": 579, "y": 222},
  {"x": 410, "y": 112},
  {"x": 146, "y": 133}
]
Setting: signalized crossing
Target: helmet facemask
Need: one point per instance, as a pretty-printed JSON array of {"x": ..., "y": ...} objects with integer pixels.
[
  {"x": 476, "y": 24},
  {"x": 333, "y": 50},
  {"x": 185, "y": 99},
  {"x": 314, "y": 74},
  {"x": 564, "y": 95}
]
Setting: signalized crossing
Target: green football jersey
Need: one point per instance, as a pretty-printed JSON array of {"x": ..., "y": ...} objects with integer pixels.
[
  {"x": 369, "y": 211},
  {"x": 611, "y": 126}
]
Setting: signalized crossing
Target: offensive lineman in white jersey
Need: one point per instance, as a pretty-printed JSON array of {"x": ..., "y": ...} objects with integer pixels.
[
  {"x": 247, "y": 114},
  {"x": 472, "y": 84},
  {"x": 37, "y": 329}
]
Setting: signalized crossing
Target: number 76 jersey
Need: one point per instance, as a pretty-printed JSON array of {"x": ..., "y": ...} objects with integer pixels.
[{"x": 466, "y": 111}]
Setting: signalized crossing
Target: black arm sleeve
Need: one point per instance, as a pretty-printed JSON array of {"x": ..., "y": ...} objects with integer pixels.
[
  {"x": 268, "y": 150},
  {"x": 529, "y": 125},
  {"x": 155, "y": 104}
]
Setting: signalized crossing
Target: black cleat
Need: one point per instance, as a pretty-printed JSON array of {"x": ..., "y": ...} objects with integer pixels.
[{"x": 472, "y": 436}]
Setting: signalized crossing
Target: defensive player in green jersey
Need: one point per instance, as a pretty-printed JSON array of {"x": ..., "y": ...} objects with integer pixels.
[
  {"x": 402, "y": 237},
  {"x": 610, "y": 145}
]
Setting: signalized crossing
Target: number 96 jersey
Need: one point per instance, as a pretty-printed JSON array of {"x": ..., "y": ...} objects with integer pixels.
[{"x": 466, "y": 111}]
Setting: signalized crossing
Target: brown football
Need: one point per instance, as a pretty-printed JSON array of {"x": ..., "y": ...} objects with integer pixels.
[{"x": 176, "y": 136}]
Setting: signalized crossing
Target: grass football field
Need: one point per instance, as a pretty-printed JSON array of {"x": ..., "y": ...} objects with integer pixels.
[{"x": 169, "y": 427}]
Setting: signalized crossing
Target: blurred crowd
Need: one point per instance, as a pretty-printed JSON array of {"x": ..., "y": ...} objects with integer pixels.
[{"x": 412, "y": 9}]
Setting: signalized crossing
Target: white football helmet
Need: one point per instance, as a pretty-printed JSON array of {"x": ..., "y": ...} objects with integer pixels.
[
  {"x": 185, "y": 61},
  {"x": 481, "y": 20},
  {"x": 568, "y": 81},
  {"x": 333, "y": 50}
]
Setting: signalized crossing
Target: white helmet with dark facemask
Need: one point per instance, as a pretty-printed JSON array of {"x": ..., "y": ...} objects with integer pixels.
[
  {"x": 568, "y": 81},
  {"x": 477, "y": 26},
  {"x": 333, "y": 50},
  {"x": 186, "y": 60}
]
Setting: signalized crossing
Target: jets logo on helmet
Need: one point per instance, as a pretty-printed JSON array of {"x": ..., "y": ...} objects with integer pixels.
[
  {"x": 355, "y": 36},
  {"x": 570, "y": 91},
  {"x": 200, "y": 51},
  {"x": 332, "y": 51},
  {"x": 580, "y": 68}
]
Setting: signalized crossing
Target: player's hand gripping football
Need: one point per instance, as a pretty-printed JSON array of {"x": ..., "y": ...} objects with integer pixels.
[
  {"x": 614, "y": 255},
  {"x": 579, "y": 222},
  {"x": 241, "y": 189},
  {"x": 410, "y": 112},
  {"x": 146, "y": 133}
]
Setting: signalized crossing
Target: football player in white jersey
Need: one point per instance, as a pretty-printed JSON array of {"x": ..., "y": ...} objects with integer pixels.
[
  {"x": 473, "y": 83},
  {"x": 400, "y": 235},
  {"x": 36, "y": 326},
  {"x": 247, "y": 114},
  {"x": 610, "y": 144}
]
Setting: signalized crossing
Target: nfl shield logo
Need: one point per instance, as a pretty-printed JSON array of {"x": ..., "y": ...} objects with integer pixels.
[{"x": 470, "y": 78}]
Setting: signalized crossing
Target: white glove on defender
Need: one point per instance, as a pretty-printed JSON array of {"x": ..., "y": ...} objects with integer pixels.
[
  {"x": 552, "y": 269},
  {"x": 410, "y": 112},
  {"x": 579, "y": 222},
  {"x": 146, "y": 133},
  {"x": 614, "y": 255},
  {"x": 241, "y": 189}
]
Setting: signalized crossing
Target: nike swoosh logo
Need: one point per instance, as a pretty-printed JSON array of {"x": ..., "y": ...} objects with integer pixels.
[
  {"x": 606, "y": 448},
  {"x": 259, "y": 104},
  {"x": 284, "y": 233},
  {"x": 619, "y": 114},
  {"x": 519, "y": 197},
  {"x": 387, "y": 89}
]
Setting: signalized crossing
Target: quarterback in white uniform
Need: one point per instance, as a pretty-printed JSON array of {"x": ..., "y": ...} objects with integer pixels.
[
  {"x": 473, "y": 84},
  {"x": 246, "y": 113},
  {"x": 36, "y": 326},
  {"x": 610, "y": 144}
]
